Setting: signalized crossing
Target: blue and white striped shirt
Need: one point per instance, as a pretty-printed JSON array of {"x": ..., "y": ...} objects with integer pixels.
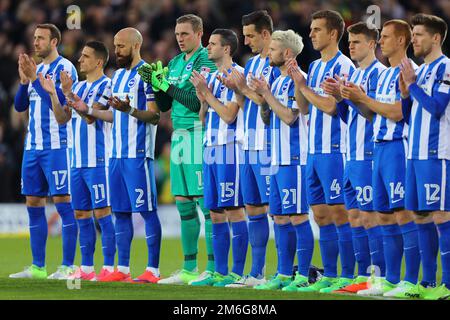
[
  {"x": 91, "y": 142},
  {"x": 256, "y": 133},
  {"x": 429, "y": 136},
  {"x": 218, "y": 132},
  {"x": 388, "y": 91},
  {"x": 132, "y": 138},
  {"x": 359, "y": 129},
  {"x": 326, "y": 133},
  {"x": 289, "y": 142},
  {"x": 43, "y": 131}
]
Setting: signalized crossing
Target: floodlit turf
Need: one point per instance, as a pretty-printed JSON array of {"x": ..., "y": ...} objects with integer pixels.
[{"x": 15, "y": 254}]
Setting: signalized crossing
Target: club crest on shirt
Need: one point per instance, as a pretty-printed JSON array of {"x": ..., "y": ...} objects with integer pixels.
[
  {"x": 90, "y": 94},
  {"x": 189, "y": 66},
  {"x": 326, "y": 75},
  {"x": 427, "y": 76},
  {"x": 392, "y": 84},
  {"x": 265, "y": 72},
  {"x": 285, "y": 86},
  {"x": 363, "y": 82},
  {"x": 131, "y": 83}
]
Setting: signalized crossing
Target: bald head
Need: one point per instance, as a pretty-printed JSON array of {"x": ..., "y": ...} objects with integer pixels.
[
  {"x": 131, "y": 35},
  {"x": 127, "y": 44}
]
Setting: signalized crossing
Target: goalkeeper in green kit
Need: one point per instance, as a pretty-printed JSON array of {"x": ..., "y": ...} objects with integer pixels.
[{"x": 174, "y": 91}]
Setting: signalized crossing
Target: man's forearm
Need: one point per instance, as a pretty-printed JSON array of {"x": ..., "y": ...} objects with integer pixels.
[
  {"x": 302, "y": 102},
  {"x": 186, "y": 98},
  {"x": 325, "y": 104},
  {"x": 252, "y": 95},
  {"x": 225, "y": 112},
  {"x": 387, "y": 110},
  {"x": 287, "y": 115},
  {"x": 149, "y": 116},
  {"x": 60, "y": 115},
  {"x": 105, "y": 115}
]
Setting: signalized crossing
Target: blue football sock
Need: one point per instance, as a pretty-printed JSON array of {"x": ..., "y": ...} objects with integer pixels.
[
  {"x": 305, "y": 247},
  {"x": 411, "y": 251},
  {"x": 429, "y": 246},
  {"x": 393, "y": 251},
  {"x": 153, "y": 237},
  {"x": 286, "y": 247},
  {"x": 108, "y": 240},
  {"x": 329, "y": 249},
  {"x": 69, "y": 232},
  {"x": 124, "y": 236},
  {"x": 239, "y": 245},
  {"x": 87, "y": 241},
  {"x": 221, "y": 246},
  {"x": 276, "y": 231},
  {"x": 38, "y": 234},
  {"x": 346, "y": 251},
  {"x": 375, "y": 235},
  {"x": 444, "y": 243},
  {"x": 258, "y": 234},
  {"x": 361, "y": 247}
]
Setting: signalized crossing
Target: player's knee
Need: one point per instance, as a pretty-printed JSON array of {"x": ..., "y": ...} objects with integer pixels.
[
  {"x": 323, "y": 220},
  {"x": 35, "y": 201},
  {"x": 404, "y": 216},
  {"x": 340, "y": 216},
  {"x": 61, "y": 199},
  {"x": 82, "y": 214},
  {"x": 386, "y": 218},
  {"x": 102, "y": 212},
  {"x": 236, "y": 214},
  {"x": 298, "y": 218},
  {"x": 368, "y": 219},
  {"x": 440, "y": 217},
  {"x": 218, "y": 216},
  {"x": 253, "y": 210},
  {"x": 354, "y": 218},
  {"x": 281, "y": 219}
]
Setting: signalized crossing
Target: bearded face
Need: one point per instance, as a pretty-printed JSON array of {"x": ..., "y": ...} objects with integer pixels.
[{"x": 123, "y": 60}]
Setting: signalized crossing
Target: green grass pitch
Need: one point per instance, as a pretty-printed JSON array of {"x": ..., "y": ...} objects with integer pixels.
[{"x": 15, "y": 254}]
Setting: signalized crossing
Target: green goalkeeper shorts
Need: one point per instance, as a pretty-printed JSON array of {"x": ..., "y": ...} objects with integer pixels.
[{"x": 186, "y": 168}]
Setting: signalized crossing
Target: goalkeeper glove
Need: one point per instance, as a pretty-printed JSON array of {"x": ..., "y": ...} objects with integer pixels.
[
  {"x": 145, "y": 71},
  {"x": 158, "y": 77}
]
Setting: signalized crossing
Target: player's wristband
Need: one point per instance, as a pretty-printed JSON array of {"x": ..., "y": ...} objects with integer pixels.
[
  {"x": 131, "y": 111},
  {"x": 90, "y": 110}
]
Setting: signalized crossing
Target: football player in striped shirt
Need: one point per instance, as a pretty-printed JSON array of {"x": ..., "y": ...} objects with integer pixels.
[
  {"x": 367, "y": 236},
  {"x": 388, "y": 176},
  {"x": 45, "y": 165},
  {"x": 90, "y": 155},
  {"x": 131, "y": 174},
  {"x": 255, "y": 162},
  {"x": 426, "y": 102},
  {"x": 326, "y": 157},
  {"x": 289, "y": 148},
  {"x": 222, "y": 194}
]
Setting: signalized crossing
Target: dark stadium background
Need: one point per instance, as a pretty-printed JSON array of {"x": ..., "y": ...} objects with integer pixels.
[{"x": 155, "y": 19}]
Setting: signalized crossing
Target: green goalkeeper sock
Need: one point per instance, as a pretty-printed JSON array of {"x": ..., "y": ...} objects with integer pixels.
[
  {"x": 190, "y": 230},
  {"x": 208, "y": 235}
]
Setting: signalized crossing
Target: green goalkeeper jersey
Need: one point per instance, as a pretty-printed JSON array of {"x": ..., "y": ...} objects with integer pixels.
[{"x": 180, "y": 71}]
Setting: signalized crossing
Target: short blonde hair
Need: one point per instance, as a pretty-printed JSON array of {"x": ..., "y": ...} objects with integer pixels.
[{"x": 289, "y": 39}]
